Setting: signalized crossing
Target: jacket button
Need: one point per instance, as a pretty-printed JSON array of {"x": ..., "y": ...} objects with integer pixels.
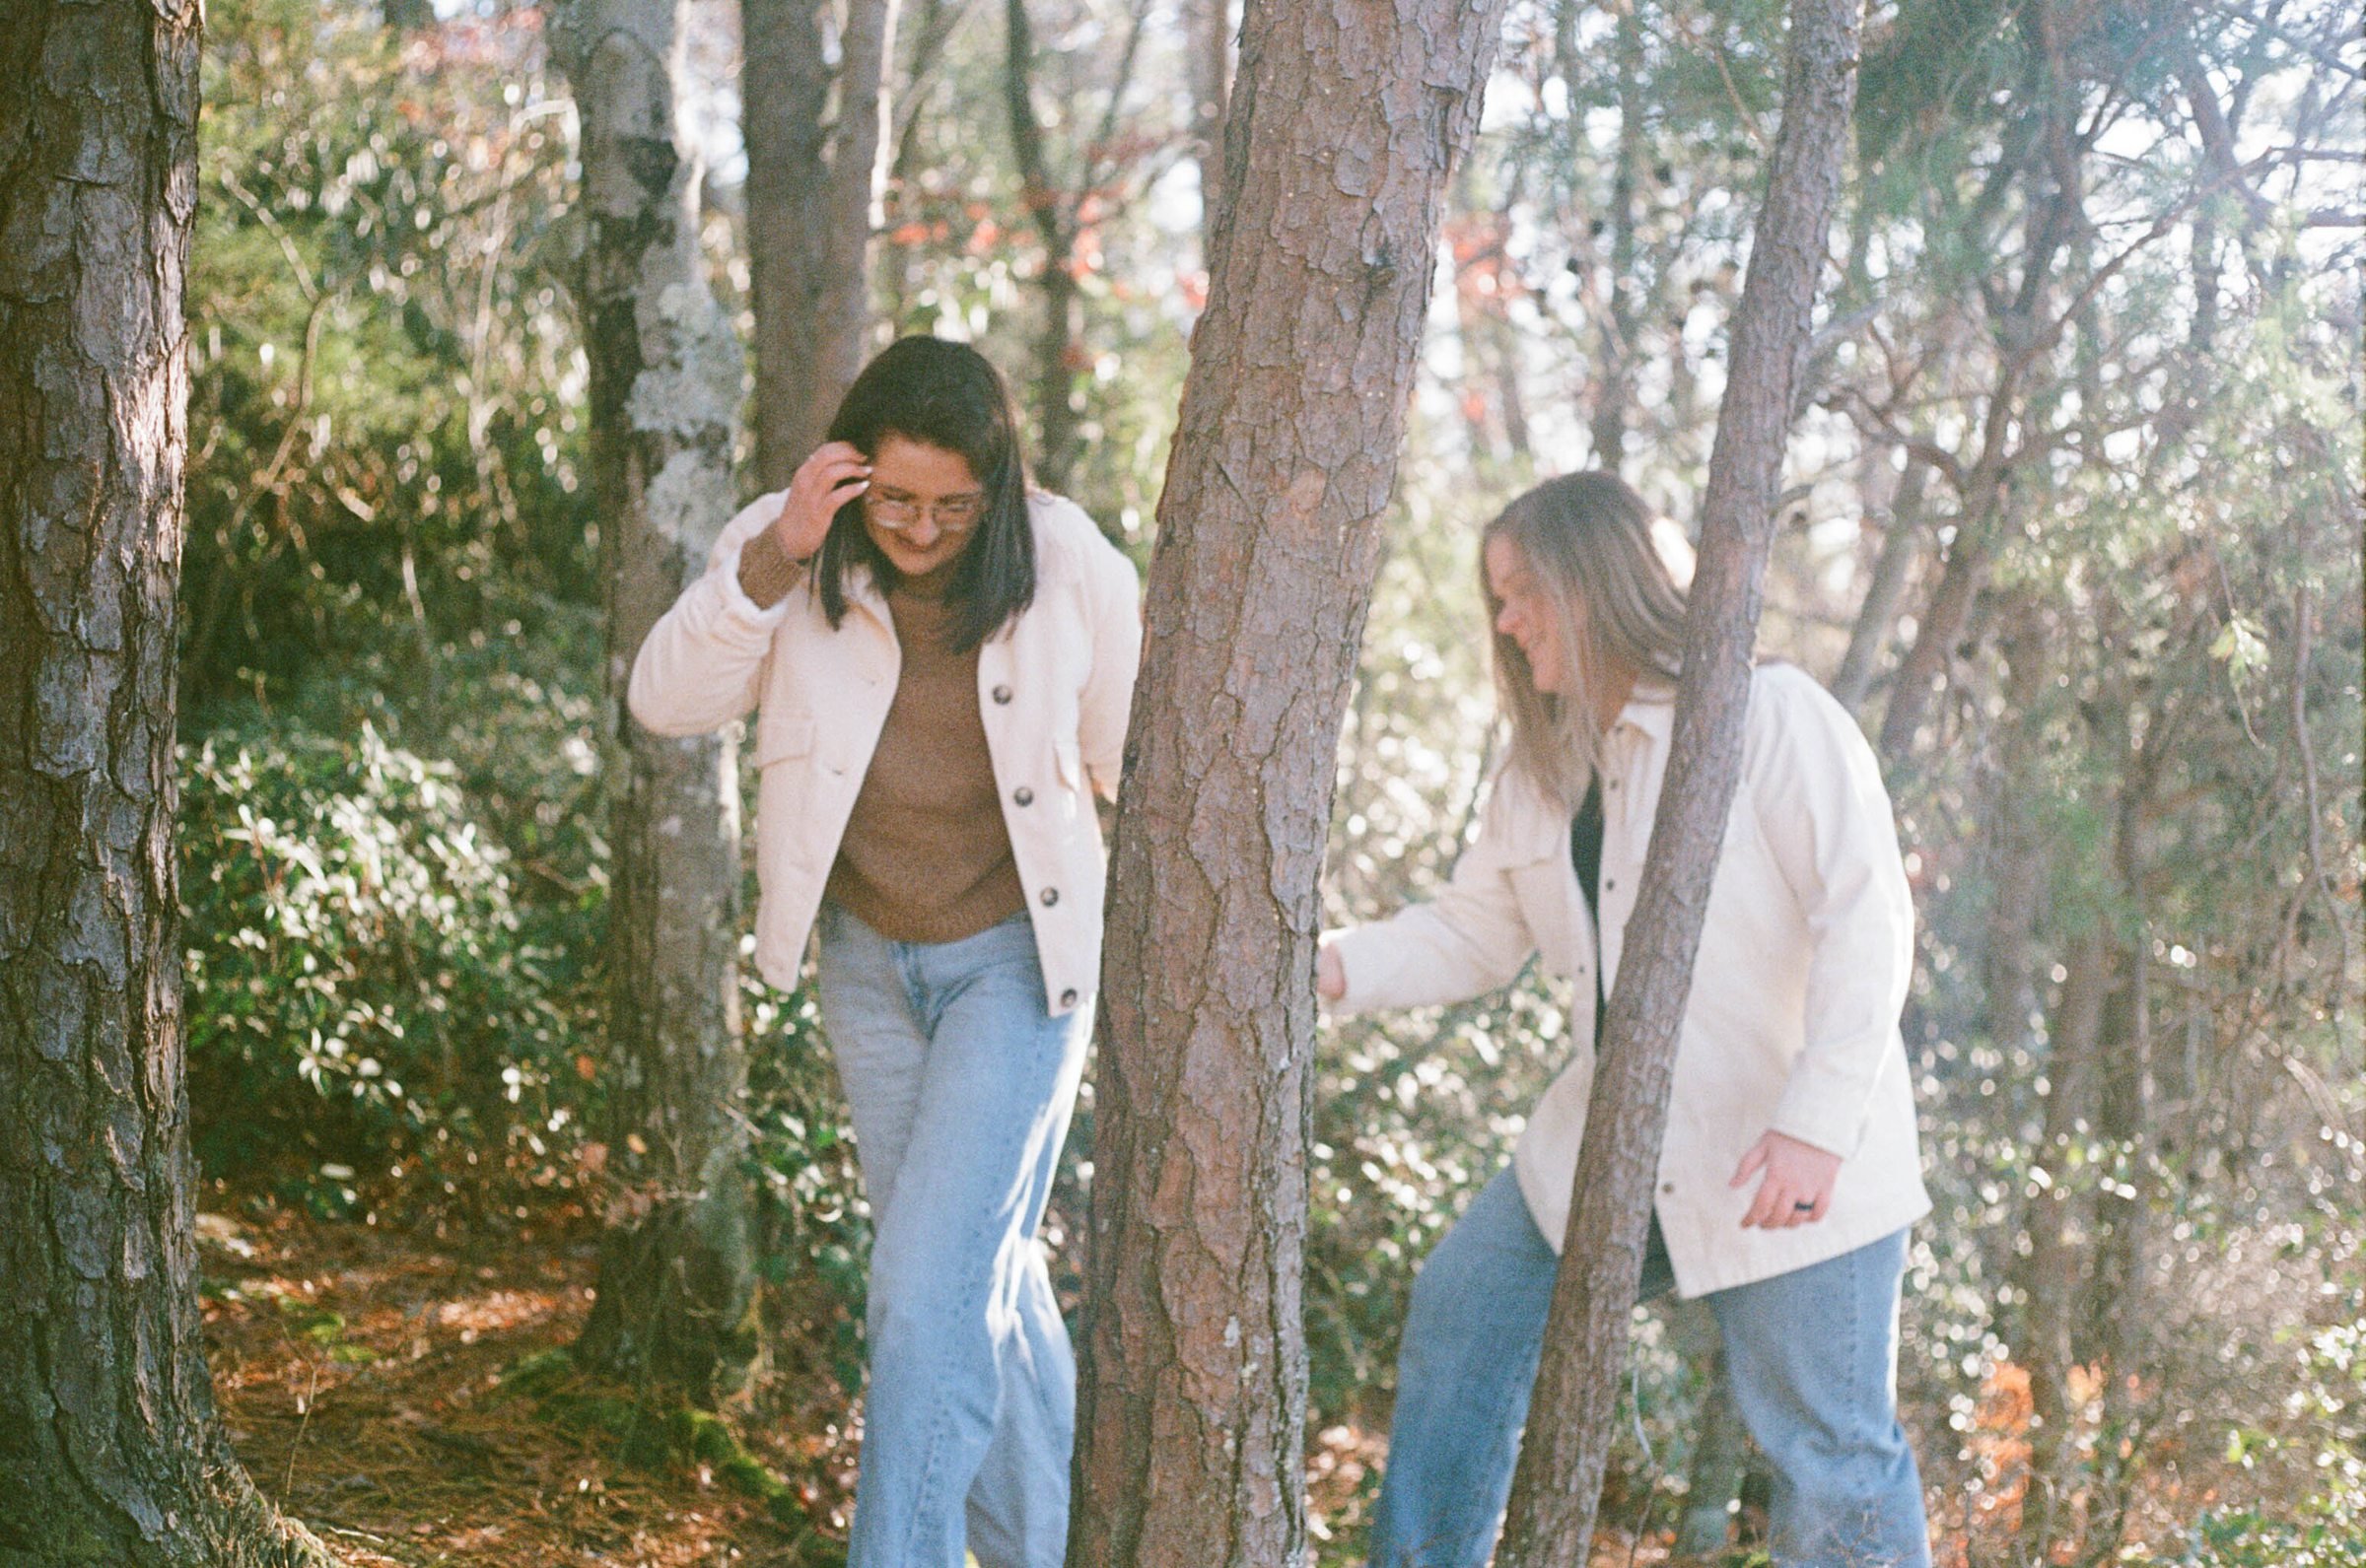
[
  {"x": 1667, "y": 1186},
  {"x": 1609, "y": 883},
  {"x": 1023, "y": 795},
  {"x": 1051, "y": 896},
  {"x": 1002, "y": 694},
  {"x": 1068, "y": 999}
]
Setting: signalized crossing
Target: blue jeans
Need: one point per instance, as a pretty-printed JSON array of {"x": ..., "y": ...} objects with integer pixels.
[
  {"x": 1812, "y": 1355},
  {"x": 962, "y": 1086}
]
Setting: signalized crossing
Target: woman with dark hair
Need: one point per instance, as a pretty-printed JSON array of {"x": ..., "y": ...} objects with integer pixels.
[
  {"x": 939, "y": 661},
  {"x": 1790, "y": 1172}
]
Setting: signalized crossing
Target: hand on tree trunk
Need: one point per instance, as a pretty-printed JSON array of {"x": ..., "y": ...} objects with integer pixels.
[{"x": 1330, "y": 974}]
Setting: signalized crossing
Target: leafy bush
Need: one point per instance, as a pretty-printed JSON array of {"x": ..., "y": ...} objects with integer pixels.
[
  {"x": 2325, "y": 1438},
  {"x": 814, "y": 1223},
  {"x": 357, "y": 982}
]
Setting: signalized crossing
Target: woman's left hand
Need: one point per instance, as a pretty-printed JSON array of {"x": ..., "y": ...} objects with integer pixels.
[{"x": 1799, "y": 1178}]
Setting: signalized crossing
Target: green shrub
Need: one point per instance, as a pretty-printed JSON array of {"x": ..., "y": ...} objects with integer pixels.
[{"x": 358, "y": 987}]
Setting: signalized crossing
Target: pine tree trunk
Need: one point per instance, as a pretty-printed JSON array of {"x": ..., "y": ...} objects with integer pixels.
[
  {"x": 1556, "y": 1490},
  {"x": 812, "y": 194},
  {"x": 1341, "y": 137},
  {"x": 1207, "y": 29},
  {"x": 675, "y": 1282},
  {"x": 110, "y": 1455}
]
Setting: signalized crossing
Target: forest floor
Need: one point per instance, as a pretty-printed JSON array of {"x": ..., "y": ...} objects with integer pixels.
[{"x": 360, "y": 1371}]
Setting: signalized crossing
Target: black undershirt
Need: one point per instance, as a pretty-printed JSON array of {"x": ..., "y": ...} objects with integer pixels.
[{"x": 1585, "y": 853}]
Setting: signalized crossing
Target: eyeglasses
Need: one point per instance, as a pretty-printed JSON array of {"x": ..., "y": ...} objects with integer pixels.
[{"x": 902, "y": 514}]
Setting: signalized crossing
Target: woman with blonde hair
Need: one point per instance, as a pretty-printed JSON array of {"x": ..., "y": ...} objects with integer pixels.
[
  {"x": 1790, "y": 1171},
  {"x": 939, "y": 660}
]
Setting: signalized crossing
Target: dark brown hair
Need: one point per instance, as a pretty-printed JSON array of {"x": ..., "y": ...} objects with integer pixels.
[{"x": 948, "y": 396}]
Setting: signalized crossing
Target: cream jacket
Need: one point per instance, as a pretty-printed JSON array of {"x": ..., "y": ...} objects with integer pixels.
[
  {"x": 1792, "y": 1021},
  {"x": 1053, "y": 687}
]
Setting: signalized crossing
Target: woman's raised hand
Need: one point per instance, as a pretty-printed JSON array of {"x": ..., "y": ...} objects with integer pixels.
[{"x": 834, "y": 475}]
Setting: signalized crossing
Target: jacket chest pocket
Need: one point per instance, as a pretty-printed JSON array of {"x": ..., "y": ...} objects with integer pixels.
[{"x": 1544, "y": 887}]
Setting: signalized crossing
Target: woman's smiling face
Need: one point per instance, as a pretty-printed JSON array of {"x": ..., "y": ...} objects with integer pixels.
[
  {"x": 1526, "y": 614},
  {"x": 923, "y": 506}
]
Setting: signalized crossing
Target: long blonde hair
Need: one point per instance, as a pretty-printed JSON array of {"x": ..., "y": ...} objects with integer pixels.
[{"x": 1614, "y": 578}]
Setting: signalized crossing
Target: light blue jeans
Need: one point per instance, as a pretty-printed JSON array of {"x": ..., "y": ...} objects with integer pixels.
[
  {"x": 962, "y": 1086},
  {"x": 1812, "y": 1355}
]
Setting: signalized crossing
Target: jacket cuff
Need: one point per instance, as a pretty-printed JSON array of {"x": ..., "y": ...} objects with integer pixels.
[
  {"x": 1357, "y": 965},
  {"x": 1825, "y": 1104},
  {"x": 726, "y": 610}
]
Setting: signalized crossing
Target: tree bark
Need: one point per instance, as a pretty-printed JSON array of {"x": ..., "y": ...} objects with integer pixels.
[
  {"x": 1614, "y": 383},
  {"x": 1556, "y": 1490},
  {"x": 110, "y": 1453},
  {"x": 1210, "y": 44},
  {"x": 2014, "y": 850},
  {"x": 1923, "y": 673},
  {"x": 1893, "y": 569},
  {"x": 1342, "y": 137},
  {"x": 1057, "y": 349},
  {"x": 676, "y": 1283},
  {"x": 812, "y": 199},
  {"x": 1720, "y": 1445},
  {"x": 2046, "y": 1279}
]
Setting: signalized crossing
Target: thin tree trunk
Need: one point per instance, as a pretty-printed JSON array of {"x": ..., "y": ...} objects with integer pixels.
[
  {"x": 1556, "y": 1490},
  {"x": 1475, "y": 246},
  {"x": 931, "y": 31},
  {"x": 1945, "y": 622},
  {"x": 1614, "y": 382},
  {"x": 1210, "y": 44},
  {"x": 812, "y": 199},
  {"x": 673, "y": 1308},
  {"x": 2053, "y": 220},
  {"x": 110, "y": 1453},
  {"x": 2116, "y": 1319},
  {"x": 1342, "y": 137},
  {"x": 2045, "y": 1281},
  {"x": 2014, "y": 846},
  {"x": 1720, "y": 1445},
  {"x": 1057, "y": 350},
  {"x": 1893, "y": 569}
]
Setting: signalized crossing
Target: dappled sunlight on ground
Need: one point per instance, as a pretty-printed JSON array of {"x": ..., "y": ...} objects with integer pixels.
[{"x": 359, "y": 1374}]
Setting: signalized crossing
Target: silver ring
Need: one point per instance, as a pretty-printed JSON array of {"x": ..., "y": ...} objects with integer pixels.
[{"x": 1803, "y": 1208}]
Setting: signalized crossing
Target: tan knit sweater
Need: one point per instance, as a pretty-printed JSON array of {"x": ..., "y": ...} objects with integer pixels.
[{"x": 926, "y": 856}]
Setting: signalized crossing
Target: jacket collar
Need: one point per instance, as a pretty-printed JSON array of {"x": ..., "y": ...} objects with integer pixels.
[{"x": 1652, "y": 710}]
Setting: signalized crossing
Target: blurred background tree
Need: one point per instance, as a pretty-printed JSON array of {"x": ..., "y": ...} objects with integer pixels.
[{"x": 2072, "y": 521}]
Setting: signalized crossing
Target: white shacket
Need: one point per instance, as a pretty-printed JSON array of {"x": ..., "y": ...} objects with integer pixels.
[
  {"x": 1805, "y": 955},
  {"x": 1054, "y": 687}
]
